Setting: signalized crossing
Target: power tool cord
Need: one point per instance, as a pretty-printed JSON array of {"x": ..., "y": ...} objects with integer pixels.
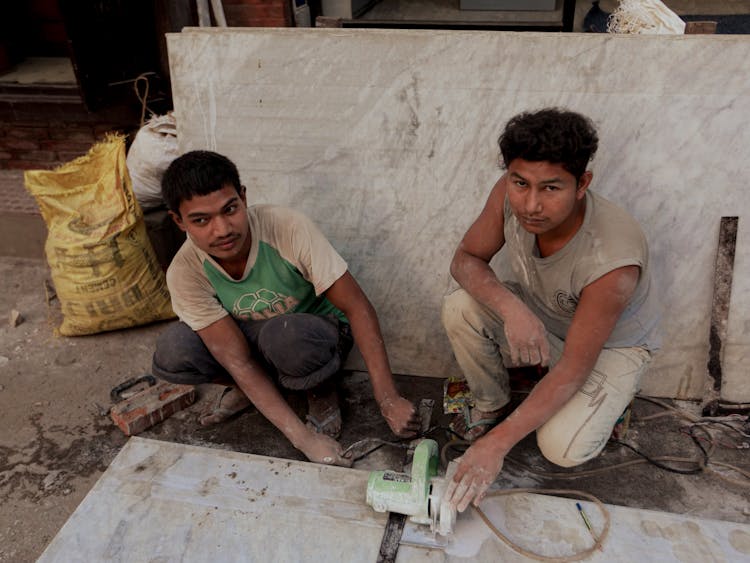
[
  {"x": 598, "y": 537},
  {"x": 377, "y": 443},
  {"x": 700, "y": 465}
]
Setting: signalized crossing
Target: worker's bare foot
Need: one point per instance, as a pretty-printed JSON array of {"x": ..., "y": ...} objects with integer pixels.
[
  {"x": 473, "y": 423},
  {"x": 324, "y": 413},
  {"x": 230, "y": 402}
]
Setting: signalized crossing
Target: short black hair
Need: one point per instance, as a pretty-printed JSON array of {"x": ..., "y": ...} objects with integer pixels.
[
  {"x": 552, "y": 134},
  {"x": 197, "y": 173}
]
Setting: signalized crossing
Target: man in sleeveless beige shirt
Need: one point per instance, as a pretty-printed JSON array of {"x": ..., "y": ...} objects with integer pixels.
[{"x": 582, "y": 304}]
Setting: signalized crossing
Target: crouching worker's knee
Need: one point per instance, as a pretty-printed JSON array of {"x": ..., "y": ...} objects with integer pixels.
[
  {"x": 450, "y": 311},
  {"x": 456, "y": 311},
  {"x": 564, "y": 449},
  {"x": 182, "y": 357},
  {"x": 319, "y": 345}
]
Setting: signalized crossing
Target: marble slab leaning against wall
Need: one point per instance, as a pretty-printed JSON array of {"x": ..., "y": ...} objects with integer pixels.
[{"x": 387, "y": 139}]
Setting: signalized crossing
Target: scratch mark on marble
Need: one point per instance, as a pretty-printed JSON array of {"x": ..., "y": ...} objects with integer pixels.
[
  {"x": 740, "y": 540},
  {"x": 116, "y": 542},
  {"x": 689, "y": 544}
]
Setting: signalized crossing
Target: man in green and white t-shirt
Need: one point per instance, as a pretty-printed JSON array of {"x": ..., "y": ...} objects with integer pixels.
[{"x": 264, "y": 299}]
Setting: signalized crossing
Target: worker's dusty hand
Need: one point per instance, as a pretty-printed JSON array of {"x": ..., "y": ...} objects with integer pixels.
[
  {"x": 401, "y": 415},
  {"x": 320, "y": 448},
  {"x": 477, "y": 470},
  {"x": 526, "y": 336}
]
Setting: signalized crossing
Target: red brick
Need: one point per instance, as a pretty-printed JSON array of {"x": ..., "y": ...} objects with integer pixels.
[
  {"x": 29, "y": 124},
  {"x": 19, "y": 144},
  {"x": 54, "y": 32},
  {"x": 37, "y": 155},
  {"x": 64, "y": 124},
  {"x": 101, "y": 128},
  {"x": 27, "y": 132},
  {"x": 64, "y": 145},
  {"x": 253, "y": 15},
  {"x": 5, "y": 155},
  {"x": 251, "y": 2},
  {"x": 151, "y": 406},
  {"x": 45, "y": 10},
  {"x": 70, "y": 134},
  {"x": 274, "y": 22},
  {"x": 67, "y": 156},
  {"x": 45, "y": 112},
  {"x": 29, "y": 165}
]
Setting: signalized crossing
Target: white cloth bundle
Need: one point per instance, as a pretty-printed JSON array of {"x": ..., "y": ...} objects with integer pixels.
[
  {"x": 153, "y": 149},
  {"x": 645, "y": 17}
]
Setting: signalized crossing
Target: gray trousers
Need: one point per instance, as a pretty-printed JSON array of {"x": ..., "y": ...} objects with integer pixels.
[{"x": 299, "y": 349}]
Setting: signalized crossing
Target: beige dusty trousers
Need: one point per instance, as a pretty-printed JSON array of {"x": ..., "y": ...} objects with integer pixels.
[{"x": 579, "y": 431}]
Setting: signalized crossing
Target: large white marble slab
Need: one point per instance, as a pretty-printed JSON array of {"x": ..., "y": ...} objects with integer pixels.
[
  {"x": 552, "y": 527},
  {"x": 387, "y": 139},
  {"x": 165, "y": 502},
  {"x": 160, "y": 501}
]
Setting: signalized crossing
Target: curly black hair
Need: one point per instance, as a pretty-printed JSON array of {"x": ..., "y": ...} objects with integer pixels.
[
  {"x": 552, "y": 134},
  {"x": 197, "y": 173}
]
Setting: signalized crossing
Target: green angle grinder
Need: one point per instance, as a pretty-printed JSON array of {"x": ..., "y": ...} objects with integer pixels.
[{"x": 419, "y": 495}]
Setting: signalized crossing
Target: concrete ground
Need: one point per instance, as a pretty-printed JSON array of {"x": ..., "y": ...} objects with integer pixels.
[{"x": 57, "y": 437}]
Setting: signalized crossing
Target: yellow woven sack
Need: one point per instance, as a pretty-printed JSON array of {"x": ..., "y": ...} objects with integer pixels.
[{"x": 103, "y": 266}]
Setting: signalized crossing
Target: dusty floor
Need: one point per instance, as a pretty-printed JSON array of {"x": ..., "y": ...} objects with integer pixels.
[{"x": 57, "y": 437}]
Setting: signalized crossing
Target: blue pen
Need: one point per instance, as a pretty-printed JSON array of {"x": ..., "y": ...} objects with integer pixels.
[
  {"x": 585, "y": 518},
  {"x": 587, "y": 522}
]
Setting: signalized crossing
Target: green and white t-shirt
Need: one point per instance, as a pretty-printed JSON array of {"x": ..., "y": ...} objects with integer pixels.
[{"x": 290, "y": 266}]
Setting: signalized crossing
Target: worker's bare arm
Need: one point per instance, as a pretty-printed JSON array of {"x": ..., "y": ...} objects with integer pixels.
[
  {"x": 228, "y": 346},
  {"x": 400, "y": 413},
  {"x": 470, "y": 267},
  {"x": 601, "y": 304}
]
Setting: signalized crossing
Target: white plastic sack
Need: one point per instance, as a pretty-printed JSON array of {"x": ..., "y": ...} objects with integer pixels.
[
  {"x": 648, "y": 17},
  {"x": 153, "y": 149}
]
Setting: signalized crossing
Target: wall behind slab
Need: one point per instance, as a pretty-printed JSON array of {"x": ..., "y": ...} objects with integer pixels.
[
  {"x": 387, "y": 139},
  {"x": 258, "y": 13}
]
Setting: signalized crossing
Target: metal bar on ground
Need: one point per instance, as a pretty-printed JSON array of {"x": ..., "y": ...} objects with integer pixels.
[
  {"x": 391, "y": 537},
  {"x": 723, "y": 272}
]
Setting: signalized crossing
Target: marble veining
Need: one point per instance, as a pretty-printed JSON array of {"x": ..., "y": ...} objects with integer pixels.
[
  {"x": 387, "y": 139},
  {"x": 167, "y": 502}
]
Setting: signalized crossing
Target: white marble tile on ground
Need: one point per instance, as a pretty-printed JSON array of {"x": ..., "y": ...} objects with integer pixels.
[
  {"x": 160, "y": 501},
  {"x": 552, "y": 527},
  {"x": 167, "y": 502},
  {"x": 387, "y": 139}
]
